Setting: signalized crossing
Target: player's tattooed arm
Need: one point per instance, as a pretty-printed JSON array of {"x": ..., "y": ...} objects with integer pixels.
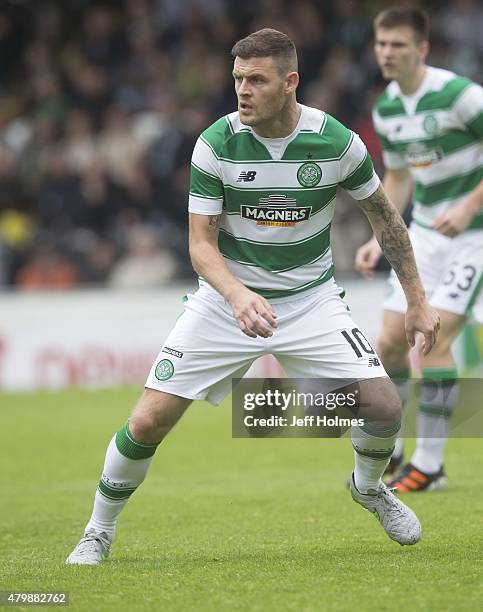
[
  {"x": 214, "y": 222},
  {"x": 391, "y": 233}
]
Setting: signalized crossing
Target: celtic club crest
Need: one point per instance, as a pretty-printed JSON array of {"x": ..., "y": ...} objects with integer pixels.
[
  {"x": 430, "y": 125},
  {"x": 164, "y": 369},
  {"x": 309, "y": 174}
]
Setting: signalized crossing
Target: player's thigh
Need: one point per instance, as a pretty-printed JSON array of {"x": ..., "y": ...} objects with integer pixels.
[
  {"x": 379, "y": 404},
  {"x": 320, "y": 340},
  {"x": 451, "y": 325},
  {"x": 203, "y": 351},
  {"x": 461, "y": 285},
  {"x": 155, "y": 414},
  {"x": 430, "y": 252}
]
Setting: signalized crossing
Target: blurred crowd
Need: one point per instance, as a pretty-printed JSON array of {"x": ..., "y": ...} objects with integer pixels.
[{"x": 101, "y": 103}]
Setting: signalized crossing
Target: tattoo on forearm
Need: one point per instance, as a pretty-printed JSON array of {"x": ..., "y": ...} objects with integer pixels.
[
  {"x": 393, "y": 237},
  {"x": 214, "y": 221}
]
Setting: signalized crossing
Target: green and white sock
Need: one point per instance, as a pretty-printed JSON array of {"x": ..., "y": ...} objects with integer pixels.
[
  {"x": 125, "y": 467},
  {"x": 400, "y": 378},
  {"x": 373, "y": 448},
  {"x": 439, "y": 396}
]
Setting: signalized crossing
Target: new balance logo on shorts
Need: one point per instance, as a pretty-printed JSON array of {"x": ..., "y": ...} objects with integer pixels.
[
  {"x": 373, "y": 361},
  {"x": 246, "y": 177}
]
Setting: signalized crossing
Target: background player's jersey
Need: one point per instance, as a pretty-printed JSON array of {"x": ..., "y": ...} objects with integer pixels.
[
  {"x": 277, "y": 196},
  {"x": 437, "y": 133}
]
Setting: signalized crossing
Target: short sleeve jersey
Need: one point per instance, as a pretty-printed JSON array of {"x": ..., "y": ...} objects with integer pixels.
[
  {"x": 437, "y": 133},
  {"x": 276, "y": 197}
]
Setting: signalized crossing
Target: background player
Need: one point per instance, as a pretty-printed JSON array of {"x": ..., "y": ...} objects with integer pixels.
[
  {"x": 430, "y": 123},
  {"x": 263, "y": 185}
]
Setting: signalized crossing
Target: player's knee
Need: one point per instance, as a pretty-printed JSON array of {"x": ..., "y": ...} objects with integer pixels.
[
  {"x": 145, "y": 428},
  {"x": 387, "y": 408},
  {"x": 380, "y": 405},
  {"x": 392, "y": 351},
  {"x": 393, "y": 407},
  {"x": 442, "y": 346},
  {"x": 155, "y": 415}
]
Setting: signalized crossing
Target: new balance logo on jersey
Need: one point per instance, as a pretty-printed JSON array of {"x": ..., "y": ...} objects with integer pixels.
[{"x": 246, "y": 177}]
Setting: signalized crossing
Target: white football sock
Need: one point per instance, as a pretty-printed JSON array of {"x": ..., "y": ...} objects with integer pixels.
[
  {"x": 125, "y": 467},
  {"x": 373, "y": 448}
]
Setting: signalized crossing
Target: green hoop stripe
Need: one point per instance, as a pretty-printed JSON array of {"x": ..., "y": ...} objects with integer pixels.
[
  {"x": 361, "y": 175},
  {"x": 474, "y": 296},
  {"x": 381, "y": 432},
  {"x": 437, "y": 411},
  {"x": 113, "y": 493},
  {"x": 475, "y": 125},
  {"x": 374, "y": 453},
  {"x": 439, "y": 374},
  {"x": 275, "y": 293},
  {"x": 131, "y": 449},
  {"x": 399, "y": 373},
  {"x": 445, "y": 383},
  {"x": 445, "y": 189}
]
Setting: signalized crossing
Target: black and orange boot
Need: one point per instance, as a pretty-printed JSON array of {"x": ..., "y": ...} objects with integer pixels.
[{"x": 412, "y": 480}]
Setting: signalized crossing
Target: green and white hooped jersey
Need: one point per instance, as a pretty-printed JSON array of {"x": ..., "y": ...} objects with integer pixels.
[
  {"x": 437, "y": 133},
  {"x": 277, "y": 196}
]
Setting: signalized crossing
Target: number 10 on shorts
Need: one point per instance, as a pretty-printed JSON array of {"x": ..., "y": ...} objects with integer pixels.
[{"x": 358, "y": 342}]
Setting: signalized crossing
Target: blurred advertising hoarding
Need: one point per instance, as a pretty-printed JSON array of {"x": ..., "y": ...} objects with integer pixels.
[{"x": 103, "y": 338}]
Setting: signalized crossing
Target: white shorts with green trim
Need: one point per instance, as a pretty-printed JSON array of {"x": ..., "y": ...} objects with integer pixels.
[
  {"x": 316, "y": 337},
  {"x": 451, "y": 270}
]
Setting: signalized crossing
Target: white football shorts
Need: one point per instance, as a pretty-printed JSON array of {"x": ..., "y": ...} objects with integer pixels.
[
  {"x": 451, "y": 270},
  {"x": 316, "y": 337}
]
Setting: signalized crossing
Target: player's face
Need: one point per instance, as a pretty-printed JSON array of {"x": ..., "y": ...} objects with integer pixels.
[
  {"x": 260, "y": 88},
  {"x": 398, "y": 53}
]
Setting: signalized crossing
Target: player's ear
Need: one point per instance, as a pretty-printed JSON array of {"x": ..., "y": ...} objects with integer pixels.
[
  {"x": 423, "y": 49},
  {"x": 291, "y": 82}
]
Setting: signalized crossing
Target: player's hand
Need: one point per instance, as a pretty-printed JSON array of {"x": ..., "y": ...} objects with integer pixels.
[
  {"x": 424, "y": 319},
  {"x": 253, "y": 313},
  {"x": 367, "y": 257},
  {"x": 455, "y": 220}
]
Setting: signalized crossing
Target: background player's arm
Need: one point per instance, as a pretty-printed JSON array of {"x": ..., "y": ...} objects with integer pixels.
[
  {"x": 252, "y": 312},
  {"x": 398, "y": 186},
  {"x": 456, "y": 219},
  {"x": 469, "y": 111},
  {"x": 393, "y": 237}
]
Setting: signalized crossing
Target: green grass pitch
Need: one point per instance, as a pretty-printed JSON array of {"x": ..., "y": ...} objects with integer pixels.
[{"x": 221, "y": 523}]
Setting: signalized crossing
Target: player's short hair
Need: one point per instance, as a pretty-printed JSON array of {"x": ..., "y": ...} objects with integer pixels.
[
  {"x": 413, "y": 17},
  {"x": 268, "y": 43}
]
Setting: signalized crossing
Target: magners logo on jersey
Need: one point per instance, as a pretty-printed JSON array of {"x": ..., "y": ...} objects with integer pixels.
[
  {"x": 276, "y": 211},
  {"x": 418, "y": 156}
]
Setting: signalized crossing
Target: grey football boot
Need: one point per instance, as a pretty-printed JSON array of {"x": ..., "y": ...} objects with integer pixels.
[
  {"x": 92, "y": 549},
  {"x": 398, "y": 521}
]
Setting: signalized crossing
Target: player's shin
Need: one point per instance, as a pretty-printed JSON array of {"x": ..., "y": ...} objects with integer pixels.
[
  {"x": 125, "y": 467},
  {"x": 373, "y": 446},
  {"x": 438, "y": 398},
  {"x": 400, "y": 378}
]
